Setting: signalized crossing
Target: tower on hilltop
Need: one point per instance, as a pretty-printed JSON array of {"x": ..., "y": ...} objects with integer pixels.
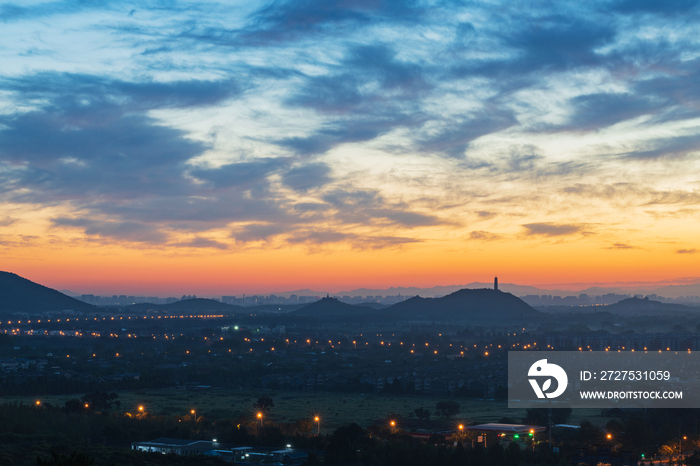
[{"x": 495, "y": 283}]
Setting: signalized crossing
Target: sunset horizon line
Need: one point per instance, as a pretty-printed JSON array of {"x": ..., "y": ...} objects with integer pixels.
[{"x": 571, "y": 287}]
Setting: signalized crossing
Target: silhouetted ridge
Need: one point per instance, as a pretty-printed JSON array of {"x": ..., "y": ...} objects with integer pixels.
[
  {"x": 331, "y": 307},
  {"x": 631, "y": 305},
  {"x": 481, "y": 304},
  {"x": 18, "y": 294},
  {"x": 190, "y": 305}
]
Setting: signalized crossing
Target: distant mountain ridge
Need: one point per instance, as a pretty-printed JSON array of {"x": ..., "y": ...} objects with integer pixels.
[
  {"x": 189, "y": 305},
  {"x": 17, "y": 294},
  {"x": 332, "y": 307},
  {"x": 637, "y": 306},
  {"x": 669, "y": 291},
  {"x": 463, "y": 305},
  {"x": 483, "y": 304}
]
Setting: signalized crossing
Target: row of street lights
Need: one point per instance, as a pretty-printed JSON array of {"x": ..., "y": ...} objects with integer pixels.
[{"x": 317, "y": 419}]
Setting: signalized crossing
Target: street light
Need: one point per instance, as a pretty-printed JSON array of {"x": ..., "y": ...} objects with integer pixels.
[
  {"x": 392, "y": 423},
  {"x": 194, "y": 414},
  {"x": 317, "y": 420},
  {"x": 259, "y": 415},
  {"x": 680, "y": 440},
  {"x": 141, "y": 408}
]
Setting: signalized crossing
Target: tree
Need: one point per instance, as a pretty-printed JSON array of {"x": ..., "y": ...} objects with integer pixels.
[
  {"x": 513, "y": 454},
  {"x": 422, "y": 413},
  {"x": 303, "y": 426},
  {"x": 669, "y": 449},
  {"x": 637, "y": 432},
  {"x": 75, "y": 459},
  {"x": 614, "y": 426},
  {"x": 312, "y": 460},
  {"x": 264, "y": 403},
  {"x": 73, "y": 406},
  {"x": 459, "y": 455},
  {"x": 436, "y": 439},
  {"x": 540, "y": 416},
  {"x": 345, "y": 445},
  {"x": 588, "y": 433},
  {"x": 100, "y": 401},
  {"x": 447, "y": 408}
]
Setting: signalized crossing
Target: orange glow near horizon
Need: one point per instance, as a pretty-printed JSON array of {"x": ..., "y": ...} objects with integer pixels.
[
  {"x": 112, "y": 269},
  {"x": 641, "y": 252},
  {"x": 206, "y": 177}
]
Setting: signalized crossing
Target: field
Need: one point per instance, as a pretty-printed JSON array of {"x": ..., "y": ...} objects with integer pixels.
[{"x": 334, "y": 409}]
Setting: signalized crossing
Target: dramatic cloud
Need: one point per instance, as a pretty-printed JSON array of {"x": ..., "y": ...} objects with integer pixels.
[
  {"x": 621, "y": 246},
  {"x": 306, "y": 177},
  {"x": 454, "y": 140},
  {"x": 650, "y": 6},
  {"x": 357, "y": 241},
  {"x": 595, "y": 111},
  {"x": 484, "y": 235},
  {"x": 362, "y": 123},
  {"x": 202, "y": 243},
  {"x": 558, "y": 41},
  {"x": 126, "y": 231},
  {"x": 295, "y": 20},
  {"x": 365, "y": 206},
  {"x": 552, "y": 229},
  {"x": 259, "y": 232}
]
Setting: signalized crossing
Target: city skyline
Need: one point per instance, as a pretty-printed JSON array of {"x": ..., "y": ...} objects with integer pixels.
[
  {"x": 688, "y": 290},
  {"x": 333, "y": 145}
]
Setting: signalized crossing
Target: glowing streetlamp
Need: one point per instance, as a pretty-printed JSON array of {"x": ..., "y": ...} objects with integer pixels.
[
  {"x": 194, "y": 414},
  {"x": 680, "y": 440},
  {"x": 38, "y": 402},
  {"x": 141, "y": 408},
  {"x": 259, "y": 415},
  {"x": 392, "y": 423},
  {"x": 317, "y": 420}
]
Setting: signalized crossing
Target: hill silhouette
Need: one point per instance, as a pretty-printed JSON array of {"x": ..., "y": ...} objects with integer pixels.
[
  {"x": 18, "y": 294},
  {"x": 462, "y": 305},
  {"x": 331, "y": 307},
  {"x": 477, "y": 305},
  {"x": 197, "y": 305},
  {"x": 646, "y": 306}
]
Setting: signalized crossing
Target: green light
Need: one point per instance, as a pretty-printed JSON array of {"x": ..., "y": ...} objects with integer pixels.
[
  {"x": 530, "y": 435},
  {"x": 516, "y": 436},
  {"x": 642, "y": 455}
]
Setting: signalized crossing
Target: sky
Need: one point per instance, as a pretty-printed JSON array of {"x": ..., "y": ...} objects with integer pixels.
[{"x": 166, "y": 147}]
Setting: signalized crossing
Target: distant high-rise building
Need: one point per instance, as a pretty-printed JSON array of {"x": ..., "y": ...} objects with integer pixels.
[{"x": 495, "y": 283}]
